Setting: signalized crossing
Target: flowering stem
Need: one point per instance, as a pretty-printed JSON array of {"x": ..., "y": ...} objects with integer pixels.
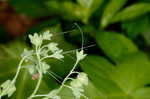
[
  {"x": 37, "y": 87},
  {"x": 18, "y": 70},
  {"x": 40, "y": 74},
  {"x": 66, "y": 78}
]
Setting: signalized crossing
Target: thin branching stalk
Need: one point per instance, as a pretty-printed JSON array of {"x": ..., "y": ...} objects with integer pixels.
[
  {"x": 40, "y": 74},
  {"x": 18, "y": 70},
  {"x": 66, "y": 78}
]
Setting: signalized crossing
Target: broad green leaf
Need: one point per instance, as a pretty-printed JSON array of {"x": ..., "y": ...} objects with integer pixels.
[
  {"x": 111, "y": 9},
  {"x": 142, "y": 93},
  {"x": 92, "y": 93},
  {"x": 131, "y": 26},
  {"x": 99, "y": 71},
  {"x": 127, "y": 80},
  {"x": 115, "y": 45},
  {"x": 132, "y": 73},
  {"x": 9, "y": 59},
  {"x": 131, "y": 12},
  {"x": 99, "y": 64}
]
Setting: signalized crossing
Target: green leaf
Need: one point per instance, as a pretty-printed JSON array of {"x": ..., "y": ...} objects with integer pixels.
[
  {"x": 99, "y": 64},
  {"x": 115, "y": 45},
  {"x": 131, "y": 12},
  {"x": 92, "y": 93},
  {"x": 142, "y": 93},
  {"x": 99, "y": 71},
  {"x": 131, "y": 26},
  {"x": 95, "y": 5},
  {"x": 132, "y": 73},
  {"x": 9, "y": 59},
  {"x": 111, "y": 9},
  {"x": 127, "y": 80}
]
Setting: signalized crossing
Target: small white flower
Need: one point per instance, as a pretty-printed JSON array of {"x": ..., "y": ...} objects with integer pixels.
[
  {"x": 53, "y": 95},
  {"x": 53, "y": 47},
  {"x": 80, "y": 55},
  {"x": 7, "y": 88},
  {"x": 81, "y": 80},
  {"x": 44, "y": 52},
  {"x": 45, "y": 67},
  {"x": 56, "y": 97},
  {"x": 82, "y": 77},
  {"x": 26, "y": 53},
  {"x": 36, "y": 39},
  {"x": 77, "y": 92},
  {"x": 58, "y": 54},
  {"x": 47, "y": 35},
  {"x": 76, "y": 83},
  {"x": 32, "y": 69}
]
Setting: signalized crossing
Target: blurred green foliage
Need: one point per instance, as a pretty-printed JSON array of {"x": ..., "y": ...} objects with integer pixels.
[{"x": 118, "y": 65}]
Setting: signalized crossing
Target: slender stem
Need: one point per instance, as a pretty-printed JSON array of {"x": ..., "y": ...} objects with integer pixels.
[
  {"x": 75, "y": 72},
  {"x": 68, "y": 87},
  {"x": 40, "y": 74},
  {"x": 66, "y": 78},
  {"x": 70, "y": 79},
  {"x": 18, "y": 70},
  {"x": 40, "y": 95},
  {"x": 37, "y": 87},
  {"x": 46, "y": 57}
]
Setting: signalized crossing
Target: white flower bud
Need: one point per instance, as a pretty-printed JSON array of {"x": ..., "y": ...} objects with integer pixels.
[
  {"x": 53, "y": 47},
  {"x": 47, "y": 35},
  {"x": 80, "y": 55},
  {"x": 26, "y": 53},
  {"x": 58, "y": 54},
  {"x": 53, "y": 95},
  {"x": 82, "y": 77},
  {"x": 44, "y": 67},
  {"x": 36, "y": 39}
]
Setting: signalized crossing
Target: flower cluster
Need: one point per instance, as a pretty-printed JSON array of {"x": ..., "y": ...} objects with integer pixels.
[
  {"x": 41, "y": 51},
  {"x": 77, "y": 85},
  {"x": 34, "y": 61}
]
